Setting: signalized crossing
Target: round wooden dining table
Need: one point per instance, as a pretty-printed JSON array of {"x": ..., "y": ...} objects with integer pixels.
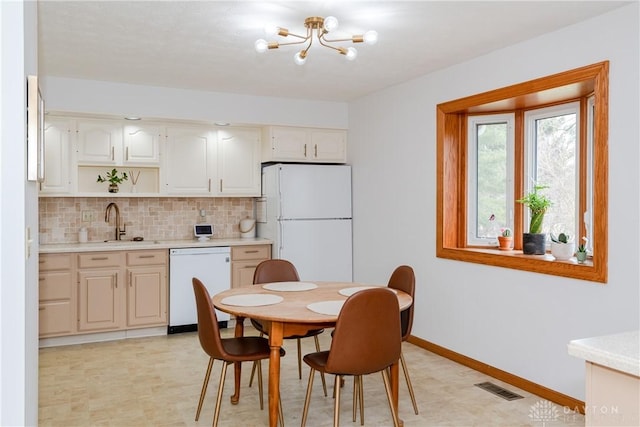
[{"x": 292, "y": 308}]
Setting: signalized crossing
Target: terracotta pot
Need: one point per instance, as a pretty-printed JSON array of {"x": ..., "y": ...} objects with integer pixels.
[{"x": 505, "y": 243}]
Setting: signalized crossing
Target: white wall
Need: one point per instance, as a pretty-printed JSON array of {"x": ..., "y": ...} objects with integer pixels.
[
  {"x": 18, "y": 211},
  {"x": 73, "y": 95},
  {"x": 516, "y": 321}
]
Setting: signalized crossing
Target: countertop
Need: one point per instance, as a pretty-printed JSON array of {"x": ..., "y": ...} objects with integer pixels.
[
  {"x": 127, "y": 245},
  {"x": 618, "y": 351}
]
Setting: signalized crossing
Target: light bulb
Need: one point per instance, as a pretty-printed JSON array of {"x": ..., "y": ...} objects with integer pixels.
[
  {"x": 330, "y": 23},
  {"x": 271, "y": 29},
  {"x": 261, "y": 45},
  {"x": 351, "y": 54},
  {"x": 371, "y": 37},
  {"x": 299, "y": 59}
]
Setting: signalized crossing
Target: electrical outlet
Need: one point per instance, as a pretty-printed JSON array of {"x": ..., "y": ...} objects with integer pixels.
[{"x": 87, "y": 216}]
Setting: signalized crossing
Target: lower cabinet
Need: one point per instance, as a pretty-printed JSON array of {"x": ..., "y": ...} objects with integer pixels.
[
  {"x": 147, "y": 288},
  {"x": 57, "y": 308},
  {"x": 244, "y": 260},
  {"x": 102, "y": 291}
]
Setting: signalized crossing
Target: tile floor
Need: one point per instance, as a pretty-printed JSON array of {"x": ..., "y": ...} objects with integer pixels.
[{"x": 156, "y": 381}]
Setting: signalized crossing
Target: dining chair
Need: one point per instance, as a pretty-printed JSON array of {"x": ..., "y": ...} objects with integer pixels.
[
  {"x": 366, "y": 339},
  {"x": 281, "y": 270},
  {"x": 227, "y": 350},
  {"x": 403, "y": 279}
]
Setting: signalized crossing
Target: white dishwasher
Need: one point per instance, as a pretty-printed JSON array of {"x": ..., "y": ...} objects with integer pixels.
[{"x": 212, "y": 266}]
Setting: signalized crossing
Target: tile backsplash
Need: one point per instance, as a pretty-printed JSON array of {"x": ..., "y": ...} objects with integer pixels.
[{"x": 157, "y": 218}]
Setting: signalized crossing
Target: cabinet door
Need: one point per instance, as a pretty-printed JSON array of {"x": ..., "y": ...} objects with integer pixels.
[
  {"x": 100, "y": 300},
  {"x": 147, "y": 296},
  {"x": 99, "y": 142},
  {"x": 289, "y": 144},
  {"x": 239, "y": 162},
  {"x": 57, "y": 161},
  {"x": 328, "y": 146},
  {"x": 190, "y": 161},
  {"x": 142, "y": 144}
]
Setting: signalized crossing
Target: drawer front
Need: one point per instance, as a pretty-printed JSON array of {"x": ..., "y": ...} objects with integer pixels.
[
  {"x": 100, "y": 259},
  {"x": 55, "y": 285},
  {"x": 239, "y": 253},
  {"x": 56, "y": 318},
  {"x": 153, "y": 257},
  {"x": 55, "y": 262}
]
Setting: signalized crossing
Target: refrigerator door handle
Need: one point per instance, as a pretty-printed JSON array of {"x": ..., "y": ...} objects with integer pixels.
[{"x": 281, "y": 239}]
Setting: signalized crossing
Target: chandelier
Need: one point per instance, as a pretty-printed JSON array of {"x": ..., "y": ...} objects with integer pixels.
[{"x": 319, "y": 27}]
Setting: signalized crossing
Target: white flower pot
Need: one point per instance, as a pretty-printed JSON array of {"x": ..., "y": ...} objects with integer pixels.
[{"x": 562, "y": 251}]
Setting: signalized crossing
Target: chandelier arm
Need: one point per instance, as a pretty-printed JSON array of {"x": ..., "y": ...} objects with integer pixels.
[
  {"x": 322, "y": 40},
  {"x": 354, "y": 39},
  {"x": 290, "y": 43}
]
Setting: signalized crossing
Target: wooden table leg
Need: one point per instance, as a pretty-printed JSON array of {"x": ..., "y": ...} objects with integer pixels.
[
  {"x": 237, "y": 371},
  {"x": 275, "y": 342}
]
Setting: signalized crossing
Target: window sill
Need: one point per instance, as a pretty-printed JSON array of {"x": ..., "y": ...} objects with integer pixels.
[{"x": 515, "y": 259}]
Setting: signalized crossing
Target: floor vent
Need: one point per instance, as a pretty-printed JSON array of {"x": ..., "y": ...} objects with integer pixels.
[{"x": 499, "y": 391}]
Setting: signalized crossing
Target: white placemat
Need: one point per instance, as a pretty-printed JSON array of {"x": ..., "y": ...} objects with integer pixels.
[
  {"x": 289, "y": 286},
  {"x": 332, "y": 308},
  {"x": 252, "y": 300},
  {"x": 347, "y": 292}
]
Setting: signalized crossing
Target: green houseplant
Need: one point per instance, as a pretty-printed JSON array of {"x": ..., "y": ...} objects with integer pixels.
[
  {"x": 533, "y": 242},
  {"x": 114, "y": 179},
  {"x": 581, "y": 253},
  {"x": 562, "y": 246}
]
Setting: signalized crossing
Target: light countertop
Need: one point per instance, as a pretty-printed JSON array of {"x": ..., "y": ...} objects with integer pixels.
[
  {"x": 618, "y": 351},
  {"x": 127, "y": 245}
]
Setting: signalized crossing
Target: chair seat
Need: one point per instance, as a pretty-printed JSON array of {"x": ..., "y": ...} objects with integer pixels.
[{"x": 245, "y": 349}]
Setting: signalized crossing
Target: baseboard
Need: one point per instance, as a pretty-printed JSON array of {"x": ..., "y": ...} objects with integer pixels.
[{"x": 514, "y": 380}]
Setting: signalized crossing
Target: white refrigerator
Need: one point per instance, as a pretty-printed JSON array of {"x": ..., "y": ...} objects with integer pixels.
[{"x": 306, "y": 211}]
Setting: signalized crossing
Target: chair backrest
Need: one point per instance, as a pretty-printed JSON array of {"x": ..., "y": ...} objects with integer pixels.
[
  {"x": 404, "y": 279},
  {"x": 208, "y": 331},
  {"x": 367, "y": 334},
  {"x": 275, "y": 270}
]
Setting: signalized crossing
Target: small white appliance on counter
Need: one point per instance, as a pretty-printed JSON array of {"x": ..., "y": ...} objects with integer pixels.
[
  {"x": 307, "y": 214},
  {"x": 212, "y": 265}
]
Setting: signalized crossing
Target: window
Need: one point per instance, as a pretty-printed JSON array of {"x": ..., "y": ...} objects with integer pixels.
[
  {"x": 559, "y": 128},
  {"x": 490, "y": 171}
]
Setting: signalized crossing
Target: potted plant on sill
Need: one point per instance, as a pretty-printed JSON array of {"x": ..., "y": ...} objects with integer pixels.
[
  {"x": 581, "y": 253},
  {"x": 113, "y": 179},
  {"x": 562, "y": 247},
  {"x": 534, "y": 242},
  {"x": 505, "y": 240}
]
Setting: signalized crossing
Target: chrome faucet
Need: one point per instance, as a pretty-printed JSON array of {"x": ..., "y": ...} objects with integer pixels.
[{"x": 119, "y": 232}]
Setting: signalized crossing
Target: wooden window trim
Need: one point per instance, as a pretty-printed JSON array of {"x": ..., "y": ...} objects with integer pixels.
[{"x": 451, "y": 166}]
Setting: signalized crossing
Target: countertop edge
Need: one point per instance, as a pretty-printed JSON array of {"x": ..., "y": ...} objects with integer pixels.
[
  {"x": 618, "y": 351},
  {"x": 129, "y": 245}
]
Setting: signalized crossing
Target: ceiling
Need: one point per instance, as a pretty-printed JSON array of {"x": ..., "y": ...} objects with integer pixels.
[{"x": 209, "y": 45}]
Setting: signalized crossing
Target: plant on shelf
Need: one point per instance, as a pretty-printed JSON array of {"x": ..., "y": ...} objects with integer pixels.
[
  {"x": 113, "y": 179},
  {"x": 505, "y": 240},
  {"x": 534, "y": 241},
  {"x": 562, "y": 246},
  {"x": 581, "y": 253}
]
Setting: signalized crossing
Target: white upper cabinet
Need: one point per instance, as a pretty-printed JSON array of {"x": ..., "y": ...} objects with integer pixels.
[
  {"x": 142, "y": 144},
  {"x": 239, "y": 162},
  {"x": 99, "y": 142},
  {"x": 310, "y": 145},
  {"x": 190, "y": 161},
  {"x": 57, "y": 156},
  {"x": 328, "y": 145}
]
